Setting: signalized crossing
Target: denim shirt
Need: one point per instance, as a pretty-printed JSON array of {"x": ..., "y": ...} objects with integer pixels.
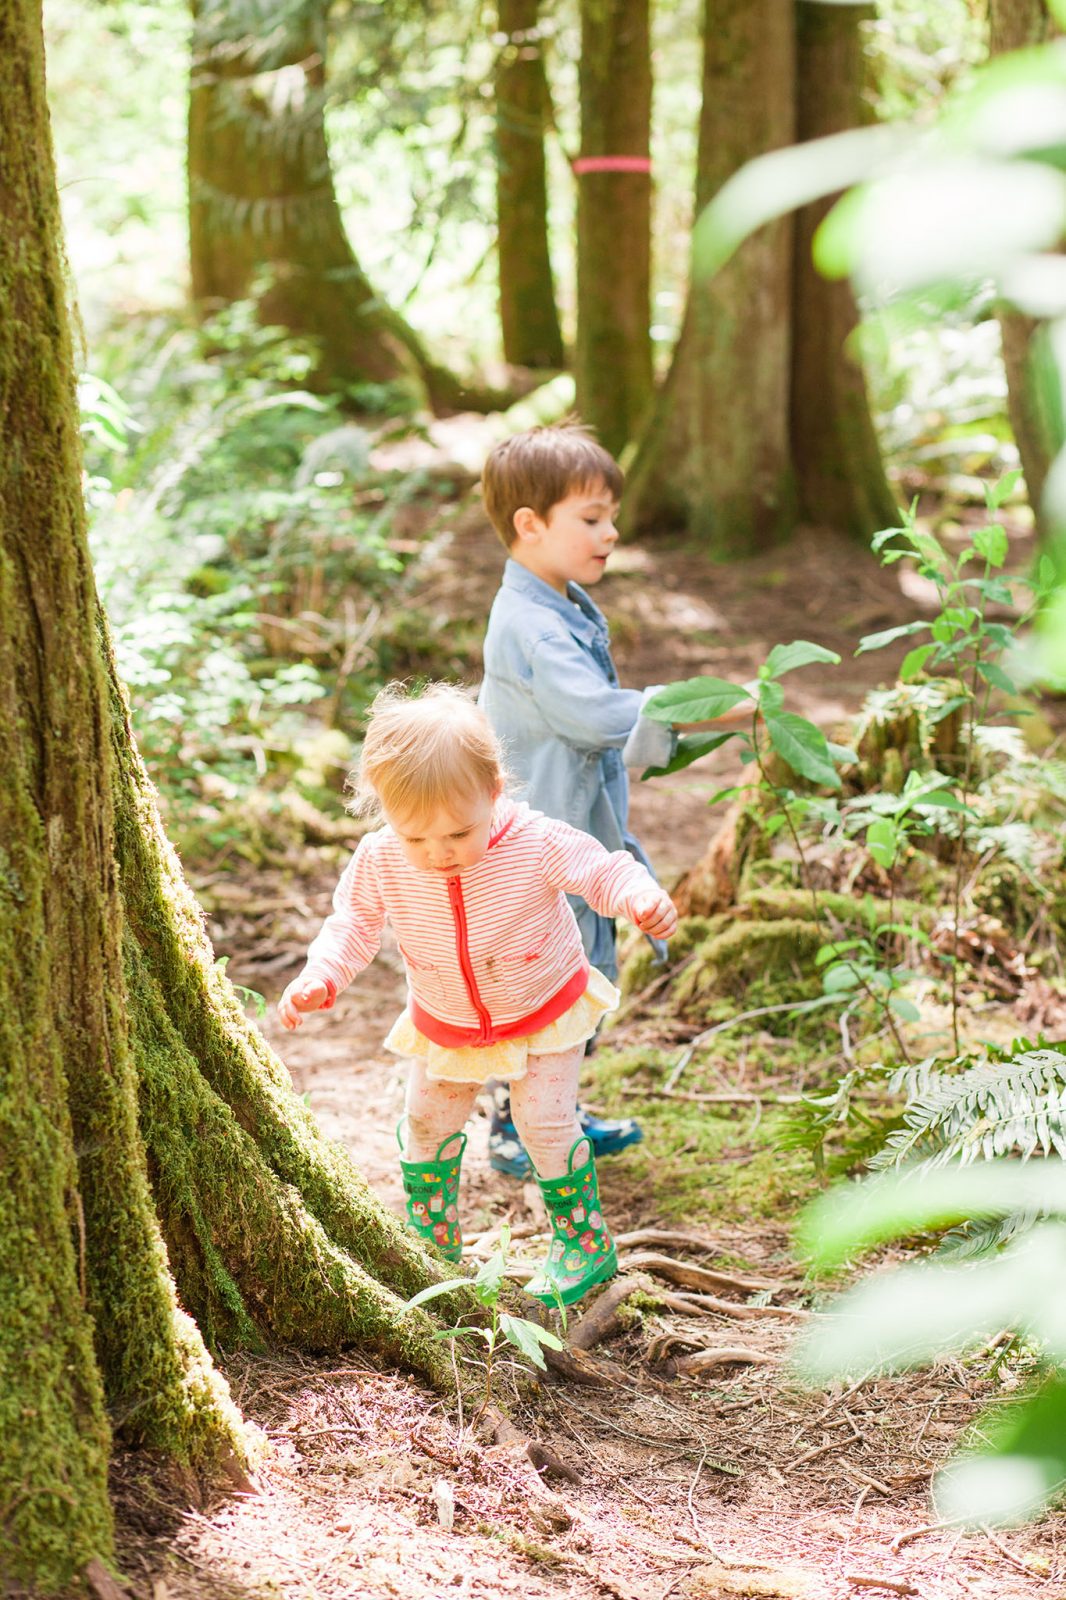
[{"x": 569, "y": 731}]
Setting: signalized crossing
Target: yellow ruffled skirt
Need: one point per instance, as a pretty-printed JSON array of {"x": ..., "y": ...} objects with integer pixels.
[{"x": 507, "y": 1058}]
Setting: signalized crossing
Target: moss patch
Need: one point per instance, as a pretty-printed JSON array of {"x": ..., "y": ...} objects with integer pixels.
[{"x": 702, "y": 1165}]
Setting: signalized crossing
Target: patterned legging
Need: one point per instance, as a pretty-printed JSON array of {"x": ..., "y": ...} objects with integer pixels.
[{"x": 542, "y": 1104}]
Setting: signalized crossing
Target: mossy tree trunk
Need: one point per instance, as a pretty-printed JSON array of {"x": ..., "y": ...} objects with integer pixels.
[
  {"x": 715, "y": 458},
  {"x": 613, "y": 357},
  {"x": 528, "y": 315},
  {"x": 164, "y": 1189},
  {"x": 1035, "y": 415},
  {"x": 839, "y": 475}
]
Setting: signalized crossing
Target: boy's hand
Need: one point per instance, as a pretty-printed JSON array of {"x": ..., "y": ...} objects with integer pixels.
[
  {"x": 301, "y": 995},
  {"x": 655, "y": 913}
]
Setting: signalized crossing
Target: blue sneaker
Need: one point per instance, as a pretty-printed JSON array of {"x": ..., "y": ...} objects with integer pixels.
[{"x": 507, "y": 1153}]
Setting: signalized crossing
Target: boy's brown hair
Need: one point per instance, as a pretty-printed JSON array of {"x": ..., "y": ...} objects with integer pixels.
[{"x": 540, "y": 467}]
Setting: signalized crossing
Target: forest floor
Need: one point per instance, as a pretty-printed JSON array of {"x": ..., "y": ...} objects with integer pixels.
[{"x": 738, "y": 1482}]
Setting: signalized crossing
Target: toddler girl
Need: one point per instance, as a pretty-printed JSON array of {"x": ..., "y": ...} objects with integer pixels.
[{"x": 475, "y": 885}]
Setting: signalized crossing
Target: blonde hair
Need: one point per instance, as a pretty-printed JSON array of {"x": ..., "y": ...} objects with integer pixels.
[
  {"x": 425, "y": 751},
  {"x": 540, "y": 467}
]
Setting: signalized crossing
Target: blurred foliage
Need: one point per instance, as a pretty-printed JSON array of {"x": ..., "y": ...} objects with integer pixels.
[{"x": 243, "y": 546}]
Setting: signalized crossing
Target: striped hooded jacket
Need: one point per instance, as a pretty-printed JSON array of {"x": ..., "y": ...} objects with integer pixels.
[{"x": 492, "y": 952}]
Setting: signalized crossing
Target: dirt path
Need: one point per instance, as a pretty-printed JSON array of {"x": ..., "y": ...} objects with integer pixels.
[{"x": 741, "y": 1484}]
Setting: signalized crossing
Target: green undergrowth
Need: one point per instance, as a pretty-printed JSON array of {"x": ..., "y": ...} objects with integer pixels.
[{"x": 706, "y": 1166}]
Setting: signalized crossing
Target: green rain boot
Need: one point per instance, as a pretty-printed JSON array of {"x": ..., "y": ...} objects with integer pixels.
[
  {"x": 432, "y": 1190},
  {"x": 582, "y": 1252}
]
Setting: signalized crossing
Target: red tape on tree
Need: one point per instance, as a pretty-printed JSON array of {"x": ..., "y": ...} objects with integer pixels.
[{"x": 583, "y": 164}]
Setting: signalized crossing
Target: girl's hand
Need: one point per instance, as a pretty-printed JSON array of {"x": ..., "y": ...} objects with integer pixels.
[
  {"x": 301, "y": 995},
  {"x": 655, "y": 914}
]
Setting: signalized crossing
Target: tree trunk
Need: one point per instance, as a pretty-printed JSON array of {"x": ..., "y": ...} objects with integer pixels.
[
  {"x": 1035, "y": 420},
  {"x": 613, "y": 356},
  {"x": 157, "y": 1165},
  {"x": 715, "y": 458},
  {"x": 263, "y": 213},
  {"x": 528, "y": 315},
  {"x": 839, "y": 475}
]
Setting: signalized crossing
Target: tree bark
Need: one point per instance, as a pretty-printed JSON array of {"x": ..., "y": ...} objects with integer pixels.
[
  {"x": 613, "y": 354},
  {"x": 715, "y": 458},
  {"x": 1036, "y": 424},
  {"x": 839, "y": 475},
  {"x": 528, "y": 315},
  {"x": 156, "y": 1162}
]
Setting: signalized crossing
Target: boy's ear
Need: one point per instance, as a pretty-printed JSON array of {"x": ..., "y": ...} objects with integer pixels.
[{"x": 526, "y": 523}]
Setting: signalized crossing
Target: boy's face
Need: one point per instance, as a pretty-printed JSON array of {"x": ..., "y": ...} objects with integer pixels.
[{"x": 571, "y": 544}]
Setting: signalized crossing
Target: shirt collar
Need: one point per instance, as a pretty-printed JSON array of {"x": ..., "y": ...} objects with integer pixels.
[{"x": 575, "y": 607}]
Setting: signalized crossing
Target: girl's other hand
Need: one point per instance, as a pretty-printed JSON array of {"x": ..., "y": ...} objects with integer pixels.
[
  {"x": 655, "y": 914},
  {"x": 301, "y": 995}
]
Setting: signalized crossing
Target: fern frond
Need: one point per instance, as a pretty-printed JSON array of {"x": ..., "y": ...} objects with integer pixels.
[{"x": 993, "y": 1108}]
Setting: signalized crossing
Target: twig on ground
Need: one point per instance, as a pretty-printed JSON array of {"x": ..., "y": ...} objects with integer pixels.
[
  {"x": 919, "y": 1533},
  {"x": 736, "y": 1097},
  {"x": 732, "y": 1022},
  {"x": 860, "y": 1580},
  {"x": 723, "y": 1356},
  {"x": 1015, "y": 1561},
  {"x": 818, "y": 1450},
  {"x": 710, "y": 1305}
]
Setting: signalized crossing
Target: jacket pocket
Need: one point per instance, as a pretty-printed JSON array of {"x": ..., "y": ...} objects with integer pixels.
[{"x": 425, "y": 978}]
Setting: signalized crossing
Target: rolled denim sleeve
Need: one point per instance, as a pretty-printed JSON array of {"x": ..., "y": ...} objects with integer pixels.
[
  {"x": 575, "y": 702},
  {"x": 651, "y": 744}
]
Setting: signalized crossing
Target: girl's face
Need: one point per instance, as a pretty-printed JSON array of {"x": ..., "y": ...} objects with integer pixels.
[{"x": 449, "y": 839}]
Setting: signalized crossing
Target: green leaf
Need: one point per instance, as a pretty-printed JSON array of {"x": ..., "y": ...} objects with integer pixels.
[
  {"x": 878, "y": 641},
  {"x": 694, "y": 700},
  {"x": 490, "y": 1275},
  {"x": 803, "y": 747},
  {"x": 730, "y": 793},
  {"x": 771, "y": 696},
  {"x": 528, "y": 1337},
  {"x": 840, "y": 947},
  {"x": 841, "y": 979},
  {"x": 914, "y": 661},
  {"x": 883, "y": 841},
  {"x": 857, "y": 1216},
  {"x": 996, "y": 676},
  {"x": 690, "y": 747},
  {"x": 991, "y": 544},
  {"x": 435, "y": 1289},
  {"x": 842, "y": 754},
  {"x": 801, "y": 653},
  {"x": 777, "y": 183},
  {"x": 1024, "y": 1467},
  {"x": 997, "y": 493},
  {"x": 903, "y": 1318},
  {"x": 904, "y": 1008}
]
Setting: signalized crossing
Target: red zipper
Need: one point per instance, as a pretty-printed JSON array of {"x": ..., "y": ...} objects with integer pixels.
[{"x": 455, "y": 895}]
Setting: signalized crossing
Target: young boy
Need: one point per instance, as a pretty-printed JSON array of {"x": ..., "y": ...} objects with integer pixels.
[{"x": 551, "y": 691}]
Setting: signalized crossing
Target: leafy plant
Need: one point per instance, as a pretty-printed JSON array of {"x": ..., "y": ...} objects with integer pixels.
[
  {"x": 503, "y": 1328},
  {"x": 921, "y": 1312},
  {"x": 967, "y": 644}
]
